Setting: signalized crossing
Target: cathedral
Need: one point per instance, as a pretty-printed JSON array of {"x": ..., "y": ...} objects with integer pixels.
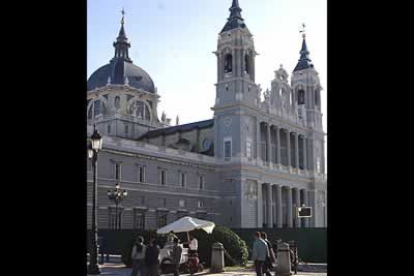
[{"x": 250, "y": 166}]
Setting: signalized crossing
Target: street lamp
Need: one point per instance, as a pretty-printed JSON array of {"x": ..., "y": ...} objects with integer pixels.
[
  {"x": 94, "y": 145},
  {"x": 117, "y": 196}
]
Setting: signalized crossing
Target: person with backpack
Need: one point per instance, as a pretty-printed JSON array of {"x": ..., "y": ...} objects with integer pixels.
[
  {"x": 270, "y": 258},
  {"x": 151, "y": 258},
  {"x": 138, "y": 257}
]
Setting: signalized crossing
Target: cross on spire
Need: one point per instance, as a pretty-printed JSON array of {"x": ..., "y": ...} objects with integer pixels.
[
  {"x": 123, "y": 14},
  {"x": 303, "y": 31}
]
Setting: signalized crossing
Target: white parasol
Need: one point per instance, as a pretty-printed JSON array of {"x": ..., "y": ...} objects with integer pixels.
[{"x": 187, "y": 224}]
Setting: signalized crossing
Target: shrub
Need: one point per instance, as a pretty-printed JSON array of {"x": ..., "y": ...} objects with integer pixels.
[{"x": 236, "y": 247}]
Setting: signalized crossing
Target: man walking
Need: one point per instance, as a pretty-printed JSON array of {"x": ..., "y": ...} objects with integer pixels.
[
  {"x": 260, "y": 252},
  {"x": 270, "y": 258},
  {"x": 176, "y": 256}
]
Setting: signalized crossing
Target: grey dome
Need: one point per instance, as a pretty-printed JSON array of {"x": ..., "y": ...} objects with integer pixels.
[{"x": 117, "y": 70}]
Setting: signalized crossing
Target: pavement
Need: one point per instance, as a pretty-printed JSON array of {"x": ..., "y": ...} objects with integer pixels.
[{"x": 117, "y": 269}]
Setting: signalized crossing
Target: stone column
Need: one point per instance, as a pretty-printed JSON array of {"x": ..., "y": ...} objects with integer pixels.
[
  {"x": 306, "y": 202},
  {"x": 234, "y": 64},
  {"x": 269, "y": 206},
  {"x": 326, "y": 209},
  {"x": 297, "y": 150},
  {"x": 289, "y": 207},
  {"x": 243, "y": 52},
  {"x": 219, "y": 69},
  {"x": 312, "y": 201},
  {"x": 259, "y": 206},
  {"x": 305, "y": 161},
  {"x": 258, "y": 151},
  {"x": 268, "y": 144},
  {"x": 278, "y": 160},
  {"x": 298, "y": 204},
  {"x": 279, "y": 214},
  {"x": 288, "y": 149}
]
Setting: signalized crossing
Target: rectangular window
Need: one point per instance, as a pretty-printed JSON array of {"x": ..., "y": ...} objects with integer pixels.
[
  {"x": 181, "y": 214},
  {"x": 141, "y": 201},
  {"x": 163, "y": 177},
  {"x": 318, "y": 165},
  {"x": 141, "y": 174},
  {"x": 109, "y": 128},
  {"x": 126, "y": 129},
  {"x": 140, "y": 220},
  {"x": 162, "y": 219},
  {"x": 227, "y": 149},
  {"x": 182, "y": 179},
  {"x": 115, "y": 223},
  {"x": 201, "y": 182},
  {"x": 181, "y": 203},
  {"x": 117, "y": 173},
  {"x": 249, "y": 148},
  {"x": 163, "y": 202},
  {"x": 200, "y": 204}
]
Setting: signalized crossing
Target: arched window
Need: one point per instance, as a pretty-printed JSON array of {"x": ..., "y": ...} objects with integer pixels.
[
  {"x": 301, "y": 97},
  {"x": 95, "y": 109},
  {"x": 147, "y": 113},
  {"x": 228, "y": 63},
  {"x": 247, "y": 64},
  {"x": 140, "y": 109},
  {"x": 90, "y": 112}
]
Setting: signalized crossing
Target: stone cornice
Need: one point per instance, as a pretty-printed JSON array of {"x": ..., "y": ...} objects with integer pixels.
[
  {"x": 265, "y": 117},
  {"x": 120, "y": 88},
  {"x": 196, "y": 193}
]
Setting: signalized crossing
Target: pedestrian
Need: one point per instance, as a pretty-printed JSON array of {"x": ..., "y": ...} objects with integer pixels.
[
  {"x": 176, "y": 256},
  {"x": 259, "y": 253},
  {"x": 151, "y": 258},
  {"x": 270, "y": 259},
  {"x": 138, "y": 257},
  {"x": 193, "y": 245}
]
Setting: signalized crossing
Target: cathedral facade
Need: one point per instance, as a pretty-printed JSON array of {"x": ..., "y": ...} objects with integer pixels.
[{"x": 249, "y": 166}]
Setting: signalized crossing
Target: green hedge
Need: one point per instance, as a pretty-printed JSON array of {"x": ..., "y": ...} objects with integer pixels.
[{"x": 233, "y": 244}]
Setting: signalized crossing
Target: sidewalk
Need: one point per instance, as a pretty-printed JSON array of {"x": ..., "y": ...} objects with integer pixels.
[{"x": 117, "y": 269}]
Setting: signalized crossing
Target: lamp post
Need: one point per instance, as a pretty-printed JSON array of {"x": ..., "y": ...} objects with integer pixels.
[
  {"x": 94, "y": 145},
  {"x": 117, "y": 196}
]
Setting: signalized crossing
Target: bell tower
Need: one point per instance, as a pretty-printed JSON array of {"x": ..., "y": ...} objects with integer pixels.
[
  {"x": 235, "y": 61},
  {"x": 307, "y": 88},
  {"x": 236, "y": 91}
]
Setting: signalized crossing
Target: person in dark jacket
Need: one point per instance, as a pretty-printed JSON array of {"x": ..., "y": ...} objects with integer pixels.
[
  {"x": 151, "y": 258},
  {"x": 176, "y": 256},
  {"x": 138, "y": 257},
  {"x": 270, "y": 258}
]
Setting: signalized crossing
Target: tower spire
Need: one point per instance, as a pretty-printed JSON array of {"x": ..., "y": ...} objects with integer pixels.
[
  {"x": 235, "y": 20},
  {"x": 121, "y": 44},
  {"x": 304, "y": 60}
]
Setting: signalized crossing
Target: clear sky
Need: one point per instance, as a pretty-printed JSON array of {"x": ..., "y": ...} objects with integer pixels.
[{"x": 173, "y": 41}]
